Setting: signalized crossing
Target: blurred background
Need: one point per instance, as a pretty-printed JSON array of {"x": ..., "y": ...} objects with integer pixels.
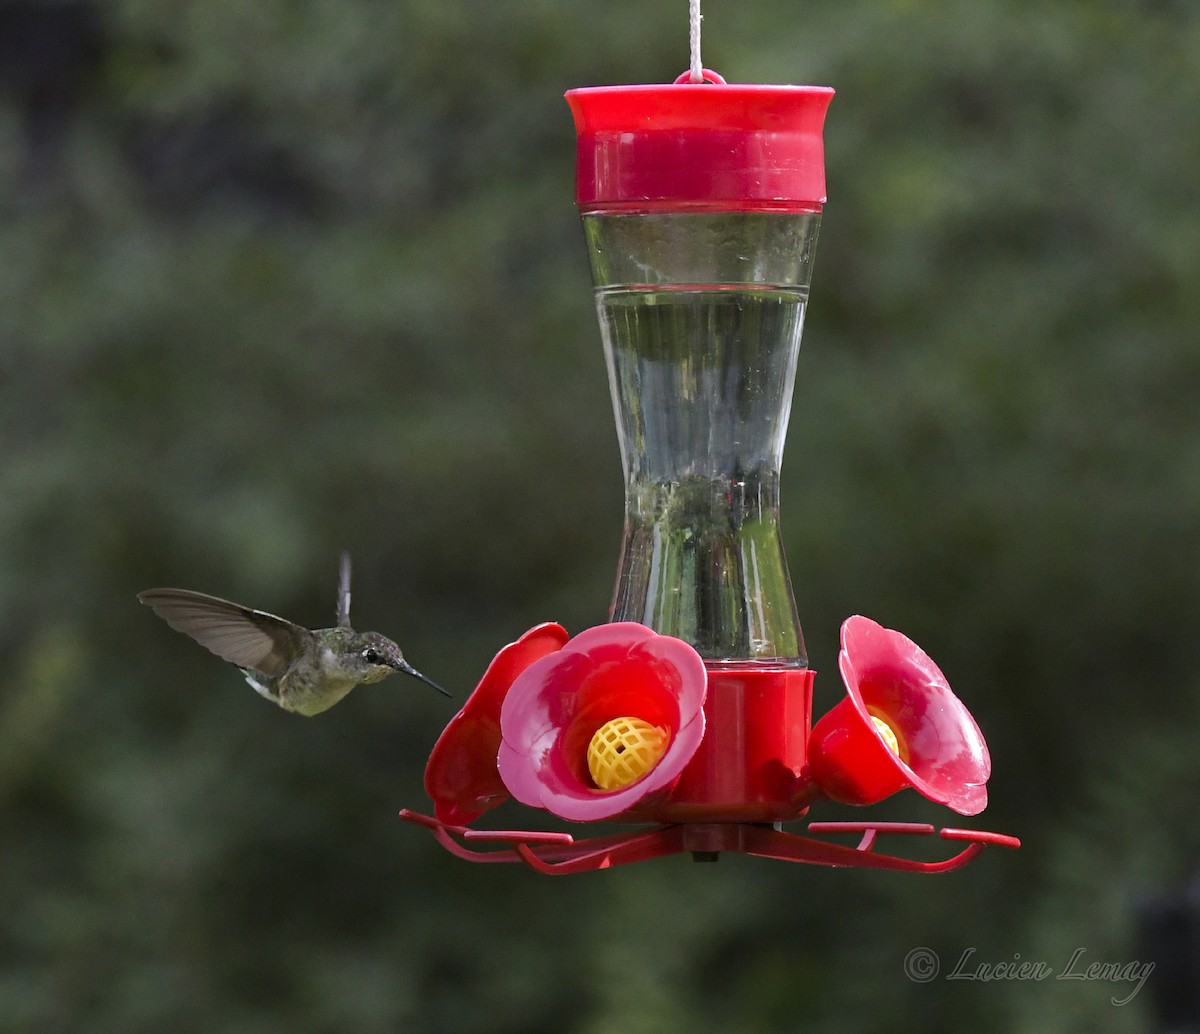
[{"x": 279, "y": 279}]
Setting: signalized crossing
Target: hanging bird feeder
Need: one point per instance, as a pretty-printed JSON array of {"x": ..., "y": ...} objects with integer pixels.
[{"x": 688, "y": 715}]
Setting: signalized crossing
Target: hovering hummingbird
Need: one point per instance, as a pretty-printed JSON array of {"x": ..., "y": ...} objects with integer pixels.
[{"x": 300, "y": 670}]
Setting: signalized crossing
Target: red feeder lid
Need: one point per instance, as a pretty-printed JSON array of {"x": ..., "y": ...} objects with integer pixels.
[{"x": 700, "y": 145}]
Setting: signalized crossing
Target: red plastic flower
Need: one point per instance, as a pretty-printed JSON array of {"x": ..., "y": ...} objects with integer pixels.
[
  {"x": 461, "y": 775},
  {"x": 901, "y": 726},
  {"x": 558, "y": 704}
]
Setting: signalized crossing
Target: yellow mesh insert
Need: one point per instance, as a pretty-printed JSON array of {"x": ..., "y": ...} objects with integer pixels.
[
  {"x": 891, "y": 736},
  {"x": 623, "y": 750}
]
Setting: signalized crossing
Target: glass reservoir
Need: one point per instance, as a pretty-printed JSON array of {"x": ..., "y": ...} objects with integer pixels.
[
  {"x": 701, "y": 314},
  {"x": 700, "y": 205}
]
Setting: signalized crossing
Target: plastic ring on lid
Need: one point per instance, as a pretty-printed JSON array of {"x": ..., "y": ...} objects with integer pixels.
[
  {"x": 707, "y": 76},
  {"x": 709, "y": 145}
]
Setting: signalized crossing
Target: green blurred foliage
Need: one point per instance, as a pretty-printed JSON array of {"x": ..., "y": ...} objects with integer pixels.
[{"x": 282, "y": 279}]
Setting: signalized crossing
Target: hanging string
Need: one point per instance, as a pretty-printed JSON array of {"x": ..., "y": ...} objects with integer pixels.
[{"x": 697, "y": 73}]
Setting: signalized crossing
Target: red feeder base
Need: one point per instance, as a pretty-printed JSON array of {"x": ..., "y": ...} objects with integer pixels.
[{"x": 557, "y": 854}]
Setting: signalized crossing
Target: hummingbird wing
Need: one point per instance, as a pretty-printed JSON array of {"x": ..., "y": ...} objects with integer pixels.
[
  {"x": 245, "y": 637},
  {"x": 343, "y": 600}
]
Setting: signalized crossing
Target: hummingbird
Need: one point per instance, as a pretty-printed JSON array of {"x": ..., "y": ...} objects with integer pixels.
[{"x": 298, "y": 669}]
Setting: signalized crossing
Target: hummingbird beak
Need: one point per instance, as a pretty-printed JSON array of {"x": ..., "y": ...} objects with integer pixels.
[{"x": 408, "y": 669}]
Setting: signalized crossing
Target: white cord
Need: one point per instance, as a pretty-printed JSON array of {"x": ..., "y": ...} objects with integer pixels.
[{"x": 697, "y": 75}]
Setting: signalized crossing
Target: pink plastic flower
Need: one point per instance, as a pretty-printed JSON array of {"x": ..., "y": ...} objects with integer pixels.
[
  {"x": 558, "y": 703},
  {"x": 900, "y": 726},
  {"x": 461, "y": 776}
]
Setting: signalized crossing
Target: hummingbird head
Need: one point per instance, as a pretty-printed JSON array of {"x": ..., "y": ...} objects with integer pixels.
[{"x": 369, "y": 657}]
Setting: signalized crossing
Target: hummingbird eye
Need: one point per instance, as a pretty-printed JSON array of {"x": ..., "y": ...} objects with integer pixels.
[{"x": 370, "y": 656}]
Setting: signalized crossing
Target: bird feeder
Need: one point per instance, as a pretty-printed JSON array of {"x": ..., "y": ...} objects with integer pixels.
[{"x": 688, "y": 715}]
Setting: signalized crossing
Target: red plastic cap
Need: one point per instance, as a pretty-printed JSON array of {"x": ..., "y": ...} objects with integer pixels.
[{"x": 700, "y": 145}]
